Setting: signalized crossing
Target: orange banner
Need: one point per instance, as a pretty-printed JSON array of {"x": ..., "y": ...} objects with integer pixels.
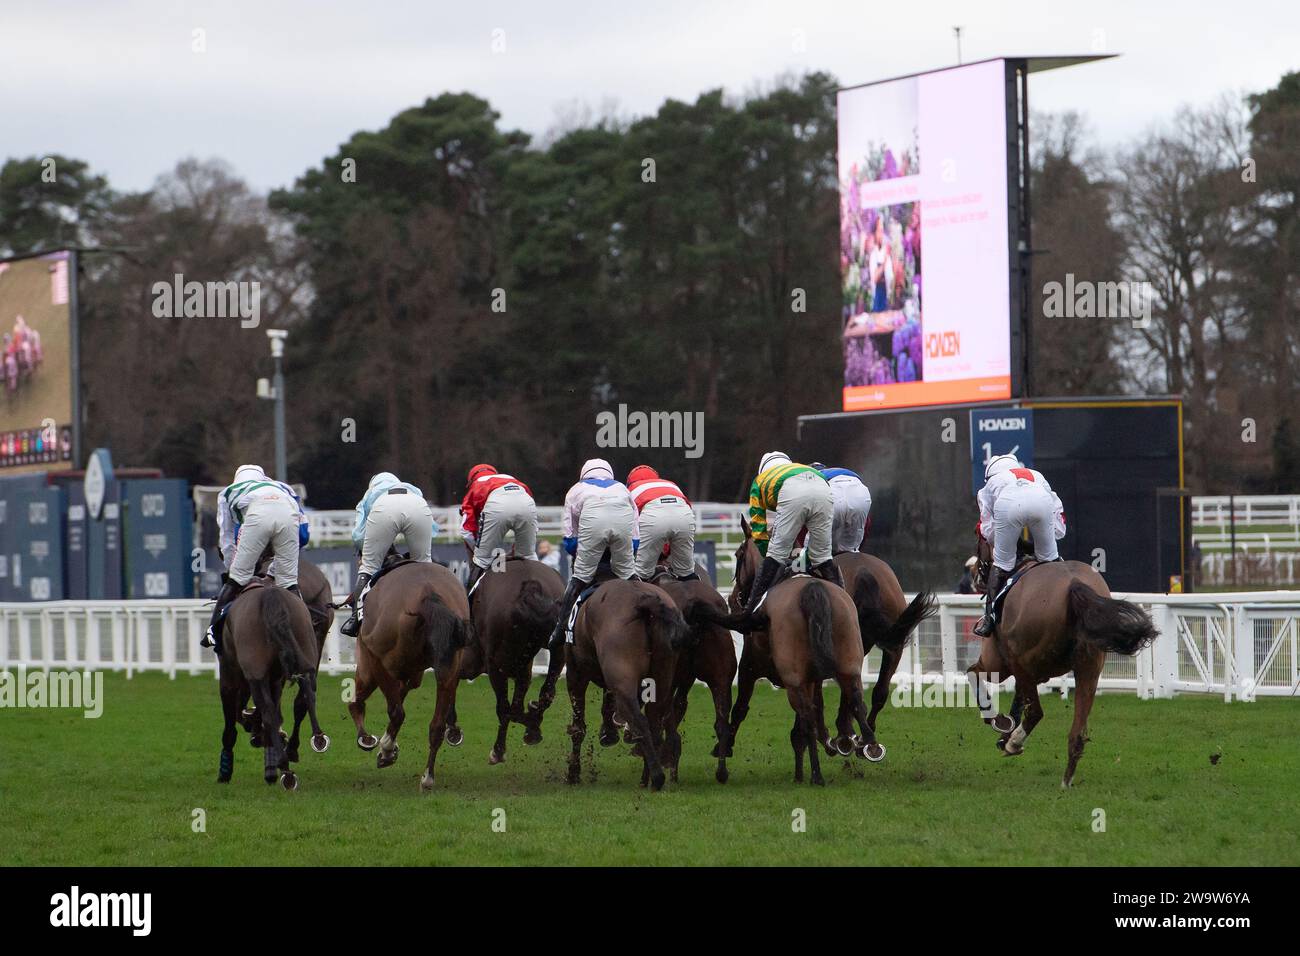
[{"x": 862, "y": 398}]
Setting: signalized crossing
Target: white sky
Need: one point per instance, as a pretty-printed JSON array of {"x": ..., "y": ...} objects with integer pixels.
[{"x": 283, "y": 83}]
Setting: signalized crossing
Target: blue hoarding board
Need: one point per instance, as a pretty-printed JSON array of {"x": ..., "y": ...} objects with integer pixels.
[
  {"x": 76, "y": 542},
  {"x": 10, "y": 488},
  {"x": 36, "y": 563},
  {"x": 999, "y": 431},
  {"x": 158, "y": 533},
  {"x": 105, "y": 552}
]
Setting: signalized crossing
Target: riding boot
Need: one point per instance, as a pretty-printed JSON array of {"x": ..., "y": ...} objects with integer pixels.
[
  {"x": 352, "y": 626},
  {"x": 997, "y": 578},
  {"x": 576, "y": 587},
  {"x": 229, "y": 591},
  {"x": 293, "y": 589},
  {"x": 693, "y": 576},
  {"x": 767, "y": 572},
  {"x": 829, "y": 571},
  {"x": 475, "y": 572}
]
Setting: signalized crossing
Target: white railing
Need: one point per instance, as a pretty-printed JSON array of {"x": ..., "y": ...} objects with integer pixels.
[
  {"x": 1241, "y": 645},
  {"x": 1221, "y": 510}
]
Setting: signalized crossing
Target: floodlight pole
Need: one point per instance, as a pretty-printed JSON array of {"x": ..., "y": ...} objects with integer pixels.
[
  {"x": 956, "y": 31},
  {"x": 277, "y": 337}
]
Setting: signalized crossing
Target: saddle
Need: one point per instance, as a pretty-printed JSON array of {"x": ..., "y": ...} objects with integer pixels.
[
  {"x": 1000, "y": 598},
  {"x": 577, "y": 606}
]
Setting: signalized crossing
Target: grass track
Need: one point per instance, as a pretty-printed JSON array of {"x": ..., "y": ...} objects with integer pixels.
[{"x": 122, "y": 789}]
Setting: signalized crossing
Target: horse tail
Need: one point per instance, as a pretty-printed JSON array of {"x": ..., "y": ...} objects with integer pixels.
[
  {"x": 279, "y": 631},
  {"x": 872, "y": 622},
  {"x": 441, "y": 630},
  {"x": 663, "y": 622},
  {"x": 695, "y": 621},
  {"x": 816, "y": 609},
  {"x": 1107, "y": 623},
  {"x": 534, "y": 611},
  {"x": 923, "y": 606},
  {"x": 699, "y": 612}
]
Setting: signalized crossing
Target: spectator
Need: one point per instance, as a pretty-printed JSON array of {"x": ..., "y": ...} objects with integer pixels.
[
  {"x": 967, "y": 583},
  {"x": 548, "y": 554}
]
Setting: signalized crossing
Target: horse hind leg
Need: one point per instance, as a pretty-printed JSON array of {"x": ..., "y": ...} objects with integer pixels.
[
  {"x": 652, "y": 772},
  {"x": 365, "y": 686},
  {"x": 745, "y": 681},
  {"x": 501, "y": 688},
  {"x": 269, "y": 711},
  {"x": 1085, "y": 690},
  {"x": 851, "y": 699},
  {"x": 578, "y": 726},
  {"x": 721, "y": 691},
  {"x": 443, "y": 708}
]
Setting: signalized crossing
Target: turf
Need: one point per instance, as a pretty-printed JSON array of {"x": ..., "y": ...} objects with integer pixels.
[{"x": 1190, "y": 781}]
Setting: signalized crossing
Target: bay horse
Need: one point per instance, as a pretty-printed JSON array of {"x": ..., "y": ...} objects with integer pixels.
[
  {"x": 625, "y": 640},
  {"x": 513, "y": 611},
  {"x": 318, "y": 596},
  {"x": 887, "y": 621},
  {"x": 267, "y": 639},
  {"x": 805, "y": 632},
  {"x": 416, "y": 617},
  {"x": 1059, "y": 617},
  {"x": 709, "y": 656}
]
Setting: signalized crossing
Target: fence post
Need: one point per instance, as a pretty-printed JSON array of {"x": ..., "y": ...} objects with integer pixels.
[{"x": 1243, "y": 654}]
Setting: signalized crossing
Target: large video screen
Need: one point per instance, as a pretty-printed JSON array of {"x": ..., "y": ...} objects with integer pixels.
[
  {"x": 36, "y": 374},
  {"x": 924, "y": 249}
]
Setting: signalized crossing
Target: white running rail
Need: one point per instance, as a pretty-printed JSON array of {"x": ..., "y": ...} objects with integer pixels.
[{"x": 1241, "y": 645}]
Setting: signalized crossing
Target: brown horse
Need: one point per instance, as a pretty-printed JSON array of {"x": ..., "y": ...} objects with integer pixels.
[
  {"x": 416, "y": 617},
  {"x": 804, "y": 632},
  {"x": 625, "y": 640},
  {"x": 1059, "y": 617},
  {"x": 267, "y": 640},
  {"x": 709, "y": 656},
  {"x": 513, "y": 612},
  {"x": 887, "y": 621},
  {"x": 317, "y": 595}
]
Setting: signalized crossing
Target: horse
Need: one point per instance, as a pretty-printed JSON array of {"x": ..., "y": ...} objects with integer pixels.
[
  {"x": 317, "y": 595},
  {"x": 416, "y": 617},
  {"x": 625, "y": 640},
  {"x": 267, "y": 640},
  {"x": 513, "y": 612},
  {"x": 806, "y": 631},
  {"x": 709, "y": 656},
  {"x": 1059, "y": 617},
  {"x": 887, "y": 621}
]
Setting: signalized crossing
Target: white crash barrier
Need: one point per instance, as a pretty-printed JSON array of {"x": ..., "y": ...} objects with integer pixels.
[{"x": 1242, "y": 645}]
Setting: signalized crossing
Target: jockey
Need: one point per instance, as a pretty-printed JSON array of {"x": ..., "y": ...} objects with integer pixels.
[
  {"x": 800, "y": 498},
  {"x": 598, "y": 514},
  {"x": 852, "y": 506},
  {"x": 254, "y": 512},
  {"x": 1014, "y": 498},
  {"x": 666, "y": 521},
  {"x": 494, "y": 504},
  {"x": 388, "y": 508}
]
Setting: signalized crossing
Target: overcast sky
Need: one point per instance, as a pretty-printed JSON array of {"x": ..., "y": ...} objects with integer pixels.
[{"x": 283, "y": 83}]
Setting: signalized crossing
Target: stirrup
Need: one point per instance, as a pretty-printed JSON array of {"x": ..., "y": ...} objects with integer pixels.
[
  {"x": 351, "y": 627},
  {"x": 206, "y": 640},
  {"x": 984, "y": 626}
]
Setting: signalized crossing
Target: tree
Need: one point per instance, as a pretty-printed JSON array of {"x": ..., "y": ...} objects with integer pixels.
[{"x": 49, "y": 202}]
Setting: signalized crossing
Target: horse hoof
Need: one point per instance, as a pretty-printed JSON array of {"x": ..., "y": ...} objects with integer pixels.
[
  {"x": 873, "y": 752},
  {"x": 320, "y": 744},
  {"x": 608, "y": 740},
  {"x": 532, "y": 736},
  {"x": 386, "y": 758},
  {"x": 1002, "y": 742},
  {"x": 426, "y": 783},
  {"x": 454, "y": 736},
  {"x": 495, "y": 758},
  {"x": 255, "y": 740},
  {"x": 828, "y": 745},
  {"x": 270, "y": 774},
  {"x": 289, "y": 781},
  {"x": 367, "y": 742},
  {"x": 1002, "y": 724},
  {"x": 657, "y": 782},
  {"x": 818, "y": 781},
  {"x": 844, "y": 746},
  {"x": 722, "y": 775},
  {"x": 1012, "y": 750},
  {"x": 714, "y": 753}
]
